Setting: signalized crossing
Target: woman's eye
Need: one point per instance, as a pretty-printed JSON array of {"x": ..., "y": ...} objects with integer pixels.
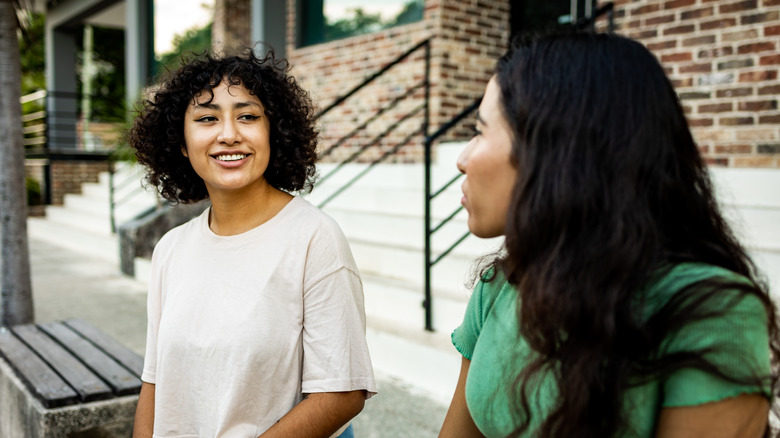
[
  {"x": 248, "y": 117},
  {"x": 206, "y": 119}
]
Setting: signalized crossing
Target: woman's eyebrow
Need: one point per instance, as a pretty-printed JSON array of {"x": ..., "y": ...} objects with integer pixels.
[{"x": 237, "y": 105}]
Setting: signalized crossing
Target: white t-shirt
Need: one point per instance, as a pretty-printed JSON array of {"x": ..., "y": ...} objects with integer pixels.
[{"x": 241, "y": 326}]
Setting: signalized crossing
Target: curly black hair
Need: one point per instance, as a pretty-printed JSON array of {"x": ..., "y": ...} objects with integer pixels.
[{"x": 157, "y": 134}]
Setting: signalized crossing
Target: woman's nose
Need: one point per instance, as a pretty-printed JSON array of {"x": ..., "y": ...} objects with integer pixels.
[
  {"x": 229, "y": 133},
  {"x": 463, "y": 158}
]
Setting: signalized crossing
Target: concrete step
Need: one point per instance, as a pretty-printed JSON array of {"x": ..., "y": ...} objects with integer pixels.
[
  {"x": 406, "y": 264},
  {"x": 101, "y": 207},
  {"x": 82, "y": 220},
  {"x": 403, "y": 303},
  {"x": 77, "y": 239}
]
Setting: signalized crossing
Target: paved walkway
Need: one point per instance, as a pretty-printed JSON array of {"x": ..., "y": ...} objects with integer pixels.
[{"x": 71, "y": 282}]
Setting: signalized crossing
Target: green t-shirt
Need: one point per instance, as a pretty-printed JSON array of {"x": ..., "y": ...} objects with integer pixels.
[{"x": 489, "y": 338}]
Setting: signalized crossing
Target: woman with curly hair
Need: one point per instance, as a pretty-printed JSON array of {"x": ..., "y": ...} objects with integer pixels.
[
  {"x": 622, "y": 305},
  {"x": 256, "y": 325}
]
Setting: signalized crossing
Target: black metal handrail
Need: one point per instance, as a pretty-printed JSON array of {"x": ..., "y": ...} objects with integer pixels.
[
  {"x": 429, "y": 197},
  {"x": 362, "y": 127}
]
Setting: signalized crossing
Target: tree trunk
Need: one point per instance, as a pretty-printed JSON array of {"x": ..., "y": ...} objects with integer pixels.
[{"x": 16, "y": 293}]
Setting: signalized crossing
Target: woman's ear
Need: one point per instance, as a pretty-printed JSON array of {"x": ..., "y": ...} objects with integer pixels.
[{"x": 184, "y": 151}]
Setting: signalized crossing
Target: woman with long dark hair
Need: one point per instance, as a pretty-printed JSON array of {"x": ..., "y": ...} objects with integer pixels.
[{"x": 622, "y": 305}]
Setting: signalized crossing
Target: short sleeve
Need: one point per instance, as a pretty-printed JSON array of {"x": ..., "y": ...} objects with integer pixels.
[
  {"x": 335, "y": 352},
  {"x": 464, "y": 337},
  {"x": 737, "y": 342}
]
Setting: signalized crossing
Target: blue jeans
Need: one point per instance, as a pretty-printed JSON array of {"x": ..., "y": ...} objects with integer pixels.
[{"x": 348, "y": 433}]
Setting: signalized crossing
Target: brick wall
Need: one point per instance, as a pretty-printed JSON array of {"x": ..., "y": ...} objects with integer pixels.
[
  {"x": 67, "y": 177},
  {"x": 723, "y": 58},
  {"x": 463, "y": 51}
]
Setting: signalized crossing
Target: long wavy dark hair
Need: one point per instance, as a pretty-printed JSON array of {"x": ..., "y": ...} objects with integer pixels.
[
  {"x": 611, "y": 190},
  {"x": 158, "y": 132}
]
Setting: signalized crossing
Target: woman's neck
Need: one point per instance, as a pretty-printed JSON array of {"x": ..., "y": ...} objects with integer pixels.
[{"x": 236, "y": 213}]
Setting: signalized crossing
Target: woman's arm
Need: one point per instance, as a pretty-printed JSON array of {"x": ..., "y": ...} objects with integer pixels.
[
  {"x": 143, "y": 427},
  {"x": 744, "y": 416},
  {"x": 318, "y": 415},
  {"x": 458, "y": 422}
]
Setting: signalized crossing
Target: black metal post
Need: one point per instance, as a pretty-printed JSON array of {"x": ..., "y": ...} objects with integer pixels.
[{"x": 427, "y": 302}]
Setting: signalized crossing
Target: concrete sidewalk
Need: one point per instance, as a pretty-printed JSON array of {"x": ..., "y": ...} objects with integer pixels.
[{"x": 72, "y": 279}]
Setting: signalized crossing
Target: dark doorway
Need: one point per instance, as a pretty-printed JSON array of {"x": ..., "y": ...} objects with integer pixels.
[{"x": 528, "y": 16}]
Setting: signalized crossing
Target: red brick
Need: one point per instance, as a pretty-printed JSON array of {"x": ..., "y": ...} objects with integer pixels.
[
  {"x": 770, "y": 60},
  {"x": 761, "y": 105},
  {"x": 718, "y": 24},
  {"x": 678, "y": 4},
  {"x": 643, "y": 34},
  {"x": 698, "y": 123},
  {"x": 771, "y": 89},
  {"x": 694, "y": 95},
  {"x": 696, "y": 68},
  {"x": 677, "y": 57},
  {"x": 717, "y": 161},
  {"x": 763, "y": 161},
  {"x": 716, "y": 52},
  {"x": 759, "y": 18},
  {"x": 682, "y": 82},
  {"x": 645, "y": 9},
  {"x": 740, "y": 35},
  {"x": 769, "y": 120},
  {"x": 772, "y": 30},
  {"x": 699, "y": 40},
  {"x": 688, "y": 28},
  {"x": 734, "y": 149},
  {"x": 698, "y": 13},
  {"x": 771, "y": 3},
  {"x": 738, "y": 6},
  {"x": 736, "y": 121},
  {"x": 659, "y": 20},
  {"x": 756, "y": 47},
  {"x": 758, "y": 76},
  {"x": 715, "y": 108},
  {"x": 670, "y": 44},
  {"x": 735, "y": 92}
]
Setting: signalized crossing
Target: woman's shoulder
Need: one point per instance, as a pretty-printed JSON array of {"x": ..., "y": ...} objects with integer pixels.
[
  {"x": 306, "y": 217},
  {"x": 671, "y": 279},
  {"x": 187, "y": 230}
]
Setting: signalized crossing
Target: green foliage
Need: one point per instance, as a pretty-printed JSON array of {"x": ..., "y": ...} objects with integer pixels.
[
  {"x": 33, "y": 191},
  {"x": 108, "y": 86},
  {"x": 31, "y": 53},
  {"x": 360, "y": 22},
  {"x": 196, "y": 40}
]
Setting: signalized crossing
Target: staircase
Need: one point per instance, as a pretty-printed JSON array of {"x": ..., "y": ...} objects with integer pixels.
[{"x": 91, "y": 210}]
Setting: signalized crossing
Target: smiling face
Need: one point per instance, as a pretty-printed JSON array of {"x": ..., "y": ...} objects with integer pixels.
[
  {"x": 227, "y": 139},
  {"x": 489, "y": 168}
]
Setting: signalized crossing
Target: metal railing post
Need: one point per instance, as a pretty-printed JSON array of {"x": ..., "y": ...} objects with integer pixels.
[{"x": 427, "y": 302}]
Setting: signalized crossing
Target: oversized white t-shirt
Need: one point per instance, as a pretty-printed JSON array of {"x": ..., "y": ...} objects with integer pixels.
[{"x": 241, "y": 326}]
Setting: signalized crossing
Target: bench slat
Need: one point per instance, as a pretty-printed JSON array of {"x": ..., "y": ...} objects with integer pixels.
[
  {"x": 41, "y": 380},
  {"x": 79, "y": 377},
  {"x": 126, "y": 357},
  {"x": 121, "y": 381}
]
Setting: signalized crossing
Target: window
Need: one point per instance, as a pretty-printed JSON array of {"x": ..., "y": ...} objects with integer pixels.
[
  {"x": 320, "y": 21},
  {"x": 529, "y": 16}
]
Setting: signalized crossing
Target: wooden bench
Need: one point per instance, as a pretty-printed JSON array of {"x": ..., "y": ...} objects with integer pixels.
[{"x": 63, "y": 379}]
